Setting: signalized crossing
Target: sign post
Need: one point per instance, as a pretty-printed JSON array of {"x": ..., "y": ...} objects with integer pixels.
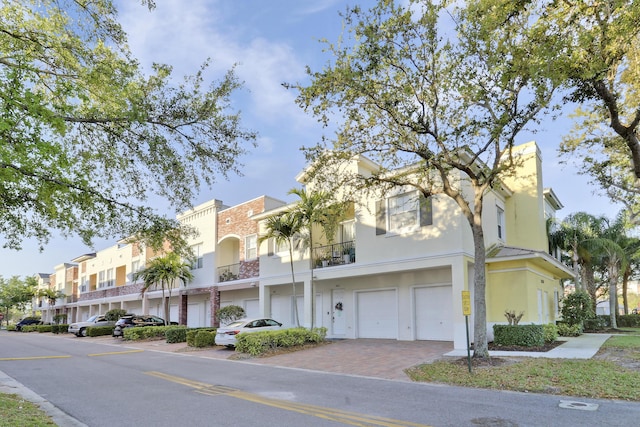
[{"x": 466, "y": 310}]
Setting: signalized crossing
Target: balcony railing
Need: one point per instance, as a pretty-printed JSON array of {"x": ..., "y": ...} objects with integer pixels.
[
  {"x": 229, "y": 272},
  {"x": 335, "y": 254}
]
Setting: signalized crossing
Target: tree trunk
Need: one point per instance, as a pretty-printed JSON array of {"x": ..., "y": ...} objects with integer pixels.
[
  {"x": 480, "y": 343},
  {"x": 625, "y": 287},
  {"x": 613, "y": 294},
  {"x": 293, "y": 284}
]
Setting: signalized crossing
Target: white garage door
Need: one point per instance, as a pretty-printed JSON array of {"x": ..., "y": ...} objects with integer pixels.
[
  {"x": 377, "y": 314},
  {"x": 434, "y": 313}
]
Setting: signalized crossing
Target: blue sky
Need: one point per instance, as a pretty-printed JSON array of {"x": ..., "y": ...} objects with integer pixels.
[{"x": 270, "y": 42}]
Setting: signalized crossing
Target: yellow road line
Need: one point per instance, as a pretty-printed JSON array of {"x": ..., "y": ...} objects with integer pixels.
[
  {"x": 34, "y": 358},
  {"x": 343, "y": 417},
  {"x": 114, "y": 352}
]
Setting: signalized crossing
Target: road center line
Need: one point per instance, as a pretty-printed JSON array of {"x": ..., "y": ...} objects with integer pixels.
[
  {"x": 344, "y": 417},
  {"x": 34, "y": 358},
  {"x": 114, "y": 352}
]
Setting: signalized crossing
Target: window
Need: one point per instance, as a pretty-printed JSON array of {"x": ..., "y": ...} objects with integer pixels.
[
  {"x": 198, "y": 260},
  {"x": 251, "y": 247},
  {"x": 404, "y": 212},
  {"x": 501, "y": 227}
]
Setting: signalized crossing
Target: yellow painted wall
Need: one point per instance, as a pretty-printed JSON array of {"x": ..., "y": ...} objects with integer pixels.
[
  {"x": 524, "y": 210},
  {"x": 514, "y": 286}
]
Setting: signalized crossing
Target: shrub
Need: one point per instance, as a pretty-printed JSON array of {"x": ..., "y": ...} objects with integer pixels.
[
  {"x": 260, "y": 342},
  {"x": 550, "y": 332},
  {"x": 191, "y": 335},
  {"x": 98, "y": 331},
  {"x": 204, "y": 338},
  {"x": 29, "y": 328},
  {"x": 137, "y": 333},
  {"x": 115, "y": 314},
  {"x": 597, "y": 323},
  {"x": 566, "y": 330},
  {"x": 44, "y": 328},
  {"x": 176, "y": 334},
  {"x": 62, "y": 328},
  {"x": 628, "y": 321},
  {"x": 522, "y": 335},
  {"x": 60, "y": 318},
  {"x": 11, "y": 327},
  {"x": 576, "y": 308},
  {"x": 229, "y": 314}
]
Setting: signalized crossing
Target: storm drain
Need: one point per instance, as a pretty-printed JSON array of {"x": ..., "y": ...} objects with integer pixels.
[{"x": 568, "y": 404}]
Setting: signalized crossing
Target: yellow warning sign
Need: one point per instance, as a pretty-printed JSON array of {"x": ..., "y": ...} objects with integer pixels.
[{"x": 466, "y": 303}]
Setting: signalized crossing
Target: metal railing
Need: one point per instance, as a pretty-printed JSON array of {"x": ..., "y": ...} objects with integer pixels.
[
  {"x": 335, "y": 254},
  {"x": 229, "y": 272}
]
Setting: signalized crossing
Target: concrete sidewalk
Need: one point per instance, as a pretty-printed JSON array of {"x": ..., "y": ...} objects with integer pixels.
[{"x": 583, "y": 347}]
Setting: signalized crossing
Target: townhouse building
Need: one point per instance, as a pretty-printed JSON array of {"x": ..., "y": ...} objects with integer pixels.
[{"x": 395, "y": 268}]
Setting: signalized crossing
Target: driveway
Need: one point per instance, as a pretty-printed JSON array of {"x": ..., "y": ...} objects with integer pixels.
[{"x": 376, "y": 358}]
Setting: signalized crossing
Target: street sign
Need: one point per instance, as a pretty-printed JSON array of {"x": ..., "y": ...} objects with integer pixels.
[{"x": 466, "y": 303}]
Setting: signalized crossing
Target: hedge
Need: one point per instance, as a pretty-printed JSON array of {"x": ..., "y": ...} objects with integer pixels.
[
  {"x": 44, "y": 328},
  {"x": 62, "y": 328},
  {"x": 257, "y": 343},
  {"x": 175, "y": 334},
  {"x": 98, "y": 331},
  {"x": 521, "y": 335},
  {"x": 191, "y": 335},
  {"x": 136, "y": 333},
  {"x": 204, "y": 338}
]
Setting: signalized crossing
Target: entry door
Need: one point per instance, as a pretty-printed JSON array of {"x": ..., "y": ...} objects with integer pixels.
[{"x": 338, "y": 318}]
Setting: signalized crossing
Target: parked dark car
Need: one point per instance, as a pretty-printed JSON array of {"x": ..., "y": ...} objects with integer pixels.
[
  {"x": 28, "y": 321},
  {"x": 137, "y": 320}
]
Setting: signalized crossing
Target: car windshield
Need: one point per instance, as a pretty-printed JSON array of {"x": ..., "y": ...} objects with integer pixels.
[{"x": 92, "y": 318}]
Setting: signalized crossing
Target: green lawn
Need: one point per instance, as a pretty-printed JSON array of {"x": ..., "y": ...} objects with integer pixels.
[
  {"x": 17, "y": 412},
  {"x": 587, "y": 378}
]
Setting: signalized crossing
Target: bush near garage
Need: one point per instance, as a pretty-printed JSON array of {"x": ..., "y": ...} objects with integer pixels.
[
  {"x": 11, "y": 328},
  {"x": 99, "y": 331},
  {"x": 62, "y": 328},
  {"x": 44, "y": 328},
  {"x": 29, "y": 328},
  {"x": 175, "y": 334},
  {"x": 259, "y": 343},
  {"x": 192, "y": 332},
  {"x": 137, "y": 333},
  {"x": 204, "y": 338},
  {"x": 521, "y": 335}
]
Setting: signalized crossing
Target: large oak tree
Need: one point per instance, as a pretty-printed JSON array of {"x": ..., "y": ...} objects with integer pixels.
[
  {"x": 86, "y": 138},
  {"x": 437, "y": 96}
]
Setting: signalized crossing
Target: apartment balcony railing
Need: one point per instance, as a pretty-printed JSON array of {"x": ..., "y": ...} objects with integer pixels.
[
  {"x": 229, "y": 272},
  {"x": 335, "y": 254}
]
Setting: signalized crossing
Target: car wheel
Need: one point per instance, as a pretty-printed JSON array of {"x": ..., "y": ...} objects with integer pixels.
[
  {"x": 83, "y": 332},
  {"x": 230, "y": 346}
]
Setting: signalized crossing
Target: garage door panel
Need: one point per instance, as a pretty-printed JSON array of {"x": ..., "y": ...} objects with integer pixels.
[
  {"x": 377, "y": 314},
  {"x": 434, "y": 313}
]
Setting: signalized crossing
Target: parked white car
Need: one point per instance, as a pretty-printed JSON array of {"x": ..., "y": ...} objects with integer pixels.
[
  {"x": 80, "y": 328},
  {"x": 226, "y": 335}
]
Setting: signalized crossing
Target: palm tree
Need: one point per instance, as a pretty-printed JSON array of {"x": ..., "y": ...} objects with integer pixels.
[
  {"x": 610, "y": 246},
  {"x": 321, "y": 209},
  {"x": 164, "y": 271},
  {"x": 283, "y": 228},
  {"x": 571, "y": 235}
]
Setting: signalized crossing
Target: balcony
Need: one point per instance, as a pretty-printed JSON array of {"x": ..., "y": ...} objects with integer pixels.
[
  {"x": 229, "y": 272},
  {"x": 335, "y": 254}
]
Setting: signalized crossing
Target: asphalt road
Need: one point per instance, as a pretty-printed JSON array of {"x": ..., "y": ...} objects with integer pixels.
[{"x": 102, "y": 385}]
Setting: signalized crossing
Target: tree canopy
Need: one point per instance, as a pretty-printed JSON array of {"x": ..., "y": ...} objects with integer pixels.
[
  {"x": 597, "y": 60},
  {"x": 436, "y": 95},
  {"x": 87, "y": 138}
]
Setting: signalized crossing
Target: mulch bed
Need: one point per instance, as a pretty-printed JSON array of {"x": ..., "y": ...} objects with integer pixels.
[{"x": 543, "y": 349}]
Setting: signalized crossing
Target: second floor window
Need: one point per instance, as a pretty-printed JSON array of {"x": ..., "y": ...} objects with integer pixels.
[
  {"x": 501, "y": 227},
  {"x": 197, "y": 257},
  {"x": 251, "y": 247},
  {"x": 402, "y": 213}
]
